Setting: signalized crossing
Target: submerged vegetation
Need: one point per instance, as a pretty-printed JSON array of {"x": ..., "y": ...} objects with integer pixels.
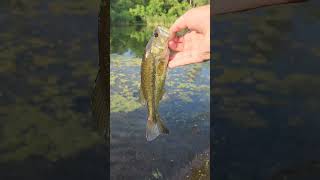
[
  {"x": 197, "y": 169},
  {"x": 124, "y": 92},
  {"x": 128, "y": 118},
  {"x": 265, "y": 91},
  {"x": 251, "y": 69},
  {"x": 57, "y": 7},
  {"x": 46, "y": 81}
]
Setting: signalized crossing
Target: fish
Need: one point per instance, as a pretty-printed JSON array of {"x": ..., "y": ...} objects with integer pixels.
[
  {"x": 154, "y": 67},
  {"x": 100, "y": 93}
]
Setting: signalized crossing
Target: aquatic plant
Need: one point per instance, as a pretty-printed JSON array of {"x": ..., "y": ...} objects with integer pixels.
[
  {"x": 197, "y": 169},
  {"x": 125, "y": 83}
]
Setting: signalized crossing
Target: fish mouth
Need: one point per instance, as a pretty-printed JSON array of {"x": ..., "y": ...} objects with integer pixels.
[
  {"x": 162, "y": 31},
  {"x": 163, "y": 34}
]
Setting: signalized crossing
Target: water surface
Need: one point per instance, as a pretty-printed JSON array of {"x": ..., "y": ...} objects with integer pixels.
[
  {"x": 47, "y": 69},
  {"x": 184, "y": 108},
  {"x": 266, "y": 93}
]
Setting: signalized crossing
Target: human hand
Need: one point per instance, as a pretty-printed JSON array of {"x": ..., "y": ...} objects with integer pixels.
[{"x": 193, "y": 47}]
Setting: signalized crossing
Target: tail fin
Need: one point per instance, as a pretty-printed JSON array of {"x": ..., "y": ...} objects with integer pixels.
[{"x": 155, "y": 129}]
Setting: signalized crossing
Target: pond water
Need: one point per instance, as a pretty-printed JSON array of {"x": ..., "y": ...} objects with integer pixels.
[
  {"x": 185, "y": 109},
  {"x": 48, "y": 64},
  {"x": 266, "y": 93},
  {"x": 47, "y": 70},
  {"x": 266, "y": 101}
]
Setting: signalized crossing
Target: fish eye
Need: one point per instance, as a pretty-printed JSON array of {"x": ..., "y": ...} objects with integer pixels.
[{"x": 156, "y": 34}]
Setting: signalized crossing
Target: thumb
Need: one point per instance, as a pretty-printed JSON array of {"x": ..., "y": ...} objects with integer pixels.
[{"x": 179, "y": 24}]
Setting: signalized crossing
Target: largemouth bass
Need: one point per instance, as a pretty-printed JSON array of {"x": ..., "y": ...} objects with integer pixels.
[
  {"x": 153, "y": 75},
  {"x": 100, "y": 95}
]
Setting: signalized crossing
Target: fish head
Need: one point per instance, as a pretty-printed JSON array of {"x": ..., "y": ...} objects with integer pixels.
[{"x": 158, "y": 43}]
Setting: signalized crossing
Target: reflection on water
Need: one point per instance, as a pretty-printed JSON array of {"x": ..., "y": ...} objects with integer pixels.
[
  {"x": 129, "y": 40},
  {"x": 266, "y": 94},
  {"x": 184, "y": 108}
]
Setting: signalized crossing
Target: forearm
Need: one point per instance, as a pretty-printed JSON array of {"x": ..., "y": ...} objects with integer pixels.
[{"x": 228, "y": 6}]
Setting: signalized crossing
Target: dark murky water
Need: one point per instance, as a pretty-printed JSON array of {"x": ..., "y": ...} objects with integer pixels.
[
  {"x": 47, "y": 69},
  {"x": 48, "y": 55},
  {"x": 266, "y": 94},
  {"x": 185, "y": 110},
  {"x": 266, "y": 73}
]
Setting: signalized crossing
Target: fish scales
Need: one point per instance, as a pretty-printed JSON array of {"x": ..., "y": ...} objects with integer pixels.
[{"x": 153, "y": 74}]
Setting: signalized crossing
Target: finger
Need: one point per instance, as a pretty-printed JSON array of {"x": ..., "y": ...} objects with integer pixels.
[
  {"x": 172, "y": 45},
  {"x": 176, "y": 46},
  {"x": 183, "y": 43},
  {"x": 178, "y": 39},
  {"x": 178, "y": 59},
  {"x": 184, "y": 58},
  {"x": 178, "y": 25}
]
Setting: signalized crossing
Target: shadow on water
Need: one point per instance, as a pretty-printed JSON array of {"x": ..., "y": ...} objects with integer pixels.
[
  {"x": 184, "y": 109},
  {"x": 266, "y": 94}
]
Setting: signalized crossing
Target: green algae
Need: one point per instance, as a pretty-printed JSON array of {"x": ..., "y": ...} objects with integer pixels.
[
  {"x": 241, "y": 48},
  {"x": 42, "y": 61},
  {"x": 316, "y": 51},
  {"x": 23, "y": 7},
  {"x": 36, "y": 42},
  {"x": 157, "y": 174},
  {"x": 52, "y": 129},
  {"x": 197, "y": 169},
  {"x": 201, "y": 173},
  {"x": 80, "y": 7},
  {"x": 7, "y": 66},
  {"x": 33, "y": 8},
  {"x": 231, "y": 75},
  {"x": 184, "y": 97},
  {"x": 245, "y": 119},
  {"x": 125, "y": 82},
  {"x": 258, "y": 59},
  {"x": 40, "y": 135},
  {"x": 123, "y": 104},
  {"x": 238, "y": 108},
  {"x": 265, "y": 76},
  {"x": 84, "y": 69}
]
